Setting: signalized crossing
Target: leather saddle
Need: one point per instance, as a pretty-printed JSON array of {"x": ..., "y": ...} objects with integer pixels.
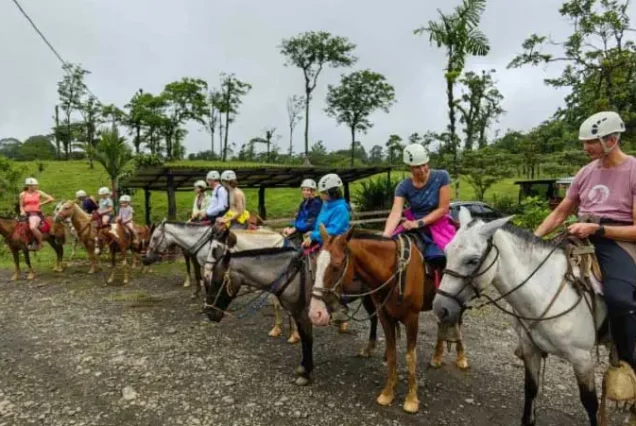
[{"x": 580, "y": 254}]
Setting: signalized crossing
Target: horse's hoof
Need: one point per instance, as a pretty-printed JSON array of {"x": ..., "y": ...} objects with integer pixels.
[
  {"x": 91, "y": 272},
  {"x": 411, "y": 407},
  {"x": 436, "y": 363},
  {"x": 302, "y": 381},
  {"x": 300, "y": 370},
  {"x": 385, "y": 400},
  {"x": 31, "y": 276},
  {"x": 462, "y": 363},
  {"x": 275, "y": 332},
  {"x": 186, "y": 283},
  {"x": 14, "y": 277},
  {"x": 125, "y": 283},
  {"x": 365, "y": 353},
  {"x": 293, "y": 339},
  {"x": 343, "y": 328}
]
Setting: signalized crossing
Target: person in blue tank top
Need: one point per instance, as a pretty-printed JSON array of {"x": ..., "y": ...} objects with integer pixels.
[
  {"x": 335, "y": 213},
  {"x": 307, "y": 211},
  {"x": 88, "y": 204}
]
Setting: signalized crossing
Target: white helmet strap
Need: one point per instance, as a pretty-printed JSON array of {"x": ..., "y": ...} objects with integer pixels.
[{"x": 606, "y": 150}]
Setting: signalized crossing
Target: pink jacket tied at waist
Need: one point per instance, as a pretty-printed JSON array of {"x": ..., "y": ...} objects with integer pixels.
[{"x": 442, "y": 231}]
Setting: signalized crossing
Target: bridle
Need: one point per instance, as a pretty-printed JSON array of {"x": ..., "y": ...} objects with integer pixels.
[{"x": 318, "y": 293}]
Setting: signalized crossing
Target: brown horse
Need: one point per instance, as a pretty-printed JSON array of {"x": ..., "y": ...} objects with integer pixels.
[
  {"x": 119, "y": 240},
  {"x": 86, "y": 230},
  {"x": 16, "y": 242},
  {"x": 394, "y": 271}
]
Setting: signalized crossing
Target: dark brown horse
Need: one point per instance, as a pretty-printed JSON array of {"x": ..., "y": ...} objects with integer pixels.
[
  {"x": 394, "y": 271},
  {"x": 18, "y": 240}
]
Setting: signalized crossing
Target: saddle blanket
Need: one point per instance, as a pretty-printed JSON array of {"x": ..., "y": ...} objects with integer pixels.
[{"x": 257, "y": 239}]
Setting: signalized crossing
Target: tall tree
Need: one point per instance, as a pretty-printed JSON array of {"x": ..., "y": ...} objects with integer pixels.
[
  {"x": 113, "y": 154},
  {"x": 294, "y": 115},
  {"x": 600, "y": 61},
  {"x": 376, "y": 155},
  {"x": 91, "y": 111},
  {"x": 394, "y": 148},
  {"x": 311, "y": 52},
  {"x": 357, "y": 96},
  {"x": 137, "y": 116},
  {"x": 112, "y": 114},
  {"x": 213, "y": 117},
  {"x": 479, "y": 106},
  {"x": 185, "y": 101},
  {"x": 232, "y": 92},
  {"x": 71, "y": 89},
  {"x": 459, "y": 34}
]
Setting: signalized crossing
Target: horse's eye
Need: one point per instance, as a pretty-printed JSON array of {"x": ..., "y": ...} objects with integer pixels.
[{"x": 472, "y": 261}]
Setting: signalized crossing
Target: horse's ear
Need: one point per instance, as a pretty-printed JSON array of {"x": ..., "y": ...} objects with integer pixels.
[
  {"x": 231, "y": 239},
  {"x": 349, "y": 234},
  {"x": 323, "y": 232},
  {"x": 489, "y": 229},
  {"x": 464, "y": 217}
]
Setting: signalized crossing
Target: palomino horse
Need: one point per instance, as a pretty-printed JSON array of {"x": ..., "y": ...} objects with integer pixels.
[
  {"x": 282, "y": 272},
  {"x": 86, "y": 230},
  {"x": 531, "y": 275},
  {"x": 17, "y": 243},
  {"x": 394, "y": 271}
]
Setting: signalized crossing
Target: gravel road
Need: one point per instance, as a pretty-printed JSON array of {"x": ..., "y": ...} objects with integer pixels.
[{"x": 74, "y": 352}]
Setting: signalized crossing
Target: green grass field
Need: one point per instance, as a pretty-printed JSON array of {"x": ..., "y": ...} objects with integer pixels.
[{"x": 63, "y": 179}]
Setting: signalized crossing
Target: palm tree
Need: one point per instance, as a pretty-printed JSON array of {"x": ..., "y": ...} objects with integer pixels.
[
  {"x": 458, "y": 32},
  {"x": 113, "y": 154}
]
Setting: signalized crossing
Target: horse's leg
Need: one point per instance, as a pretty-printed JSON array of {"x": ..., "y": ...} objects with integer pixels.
[
  {"x": 388, "y": 325},
  {"x": 584, "y": 371},
  {"x": 59, "y": 253},
  {"x": 186, "y": 283},
  {"x": 278, "y": 318},
  {"x": 27, "y": 259},
  {"x": 438, "y": 358},
  {"x": 369, "y": 307},
  {"x": 124, "y": 264},
  {"x": 16, "y": 262},
  {"x": 307, "y": 341},
  {"x": 411, "y": 403},
  {"x": 294, "y": 337},
  {"x": 532, "y": 363},
  {"x": 113, "y": 265},
  {"x": 198, "y": 278}
]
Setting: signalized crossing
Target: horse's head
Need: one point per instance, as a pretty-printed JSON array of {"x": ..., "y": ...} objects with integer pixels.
[
  {"x": 63, "y": 211},
  {"x": 331, "y": 267},
  {"x": 222, "y": 241},
  {"x": 160, "y": 240},
  {"x": 219, "y": 288},
  {"x": 470, "y": 266}
]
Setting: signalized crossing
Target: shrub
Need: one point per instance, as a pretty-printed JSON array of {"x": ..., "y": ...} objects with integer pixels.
[
  {"x": 532, "y": 212},
  {"x": 375, "y": 194},
  {"x": 506, "y": 204}
]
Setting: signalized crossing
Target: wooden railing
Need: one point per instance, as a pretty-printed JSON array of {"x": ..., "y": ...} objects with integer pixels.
[{"x": 359, "y": 218}]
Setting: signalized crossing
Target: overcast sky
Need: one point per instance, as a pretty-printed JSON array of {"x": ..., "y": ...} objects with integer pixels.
[{"x": 131, "y": 44}]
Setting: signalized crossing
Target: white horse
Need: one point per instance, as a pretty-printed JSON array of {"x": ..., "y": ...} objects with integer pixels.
[{"x": 551, "y": 317}]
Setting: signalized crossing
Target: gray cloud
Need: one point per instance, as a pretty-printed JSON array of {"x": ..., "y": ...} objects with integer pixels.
[{"x": 148, "y": 43}]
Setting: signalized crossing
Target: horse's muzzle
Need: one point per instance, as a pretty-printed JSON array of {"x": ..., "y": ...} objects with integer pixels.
[
  {"x": 149, "y": 259},
  {"x": 446, "y": 310},
  {"x": 214, "y": 315}
]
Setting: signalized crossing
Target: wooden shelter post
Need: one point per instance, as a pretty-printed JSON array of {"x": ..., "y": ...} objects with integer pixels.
[
  {"x": 346, "y": 192},
  {"x": 172, "y": 199},
  {"x": 262, "y": 212},
  {"x": 147, "y": 205}
]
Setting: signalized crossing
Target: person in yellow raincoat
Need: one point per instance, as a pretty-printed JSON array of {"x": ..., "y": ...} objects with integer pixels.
[{"x": 237, "y": 216}]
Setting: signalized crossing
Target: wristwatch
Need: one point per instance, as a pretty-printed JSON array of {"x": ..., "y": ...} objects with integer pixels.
[
  {"x": 420, "y": 223},
  {"x": 600, "y": 231}
]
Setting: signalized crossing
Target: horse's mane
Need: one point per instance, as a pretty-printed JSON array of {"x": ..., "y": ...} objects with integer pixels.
[
  {"x": 528, "y": 237},
  {"x": 269, "y": 251},
  {"x": 367, "y": 235}
]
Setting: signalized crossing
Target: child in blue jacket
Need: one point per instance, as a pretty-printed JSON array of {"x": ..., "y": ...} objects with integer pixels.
[
  {"x": 307, "y": 211},
  {"x": 335, "y": 214}
]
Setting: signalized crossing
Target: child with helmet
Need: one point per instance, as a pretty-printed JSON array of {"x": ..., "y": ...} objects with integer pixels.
[
  {"x": 86, "y": 203},
  {"x": 125, "y": 216},
  {"x": 335, "y": 213},
  {"x": 31, "y": 202},
  {"x": 307, "y": 211},
  {"x": 237, "y": 215},
  {"x": 201, "y": 201},
  {"x": 106, "y": 207}
]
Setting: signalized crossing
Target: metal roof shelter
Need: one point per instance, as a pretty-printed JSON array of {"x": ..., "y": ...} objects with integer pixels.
[
  {"x": 179, "y": 178},
  {"x": 528, "y": 187}
]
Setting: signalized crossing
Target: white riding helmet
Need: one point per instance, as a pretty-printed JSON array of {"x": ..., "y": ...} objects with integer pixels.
[
  {"x": 80, "y": 194},
  {"x": 104, "y": 191},
  {"x": 329, "y": 181},
  {"x": 201, "y": 184},
  {"x": 124, "y": 199},
  {"x": 228, "y": 175},
  {"x": 30, "y": 181},
  {"x": 213, "y": 175},
  {"x": 415, "y": 155},
  {"x": 308, "y": 183},
  {"x": 600, "y": 125}
]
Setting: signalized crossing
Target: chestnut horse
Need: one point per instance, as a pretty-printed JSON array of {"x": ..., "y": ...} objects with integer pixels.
[
  {"x": 55, "y": 237},
  {"x": 118, "y": 240},
  {"x": 394, "y": 271}
]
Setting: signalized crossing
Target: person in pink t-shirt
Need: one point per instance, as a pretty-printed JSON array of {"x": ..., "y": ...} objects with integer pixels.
[{"x": 604, "y": 191}]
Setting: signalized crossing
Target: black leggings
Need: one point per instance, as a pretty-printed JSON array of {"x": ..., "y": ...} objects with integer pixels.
[{"x": 619, "y": 288}]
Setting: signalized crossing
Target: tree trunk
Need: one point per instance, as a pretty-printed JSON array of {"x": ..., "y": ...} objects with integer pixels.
[
  {"x": 353, "y": 144},
  {"x": 57, "y": 131},
  {"x": 291, "y": 140},
  {"x": 227, "y": 130},
  {"x": 69, "y": 137},
  {"x": 451, "y": 127},
  {"x": 307, "y": 100},
  {"x": 212, "y": 139},
  {"x": 138, "y": 139}
]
